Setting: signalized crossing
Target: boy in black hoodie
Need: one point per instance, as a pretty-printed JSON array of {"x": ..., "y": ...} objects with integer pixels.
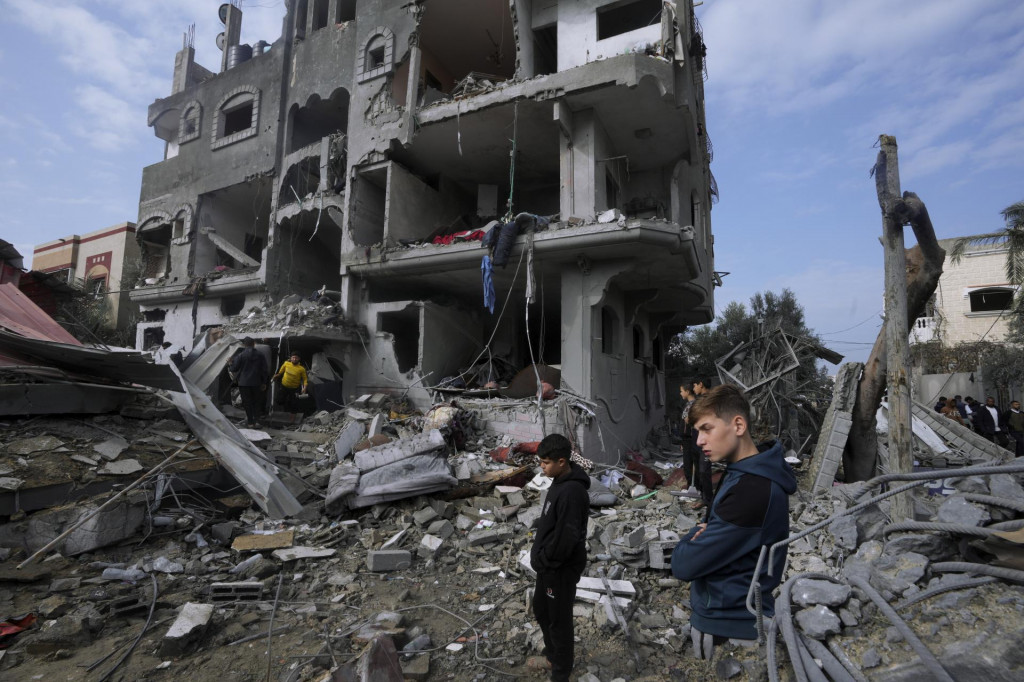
[{"x": 559, "y": 553}]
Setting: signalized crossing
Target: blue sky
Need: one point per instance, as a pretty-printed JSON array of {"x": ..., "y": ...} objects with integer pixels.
[{"x": 798, "y": 93}]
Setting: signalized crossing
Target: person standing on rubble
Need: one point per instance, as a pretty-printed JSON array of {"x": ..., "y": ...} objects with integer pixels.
[
  {"x": 690, "y": 452},
  {"x": 293, "y": 380},
  {"x": 250, "y": 372},
  {"x": 703, "y": 469},
  {"x": 1014, "y": 420},
  {"x": 559, "y": 554},
  {"x": 988, "y": 421},
  {"x": 749, "y": 511}
]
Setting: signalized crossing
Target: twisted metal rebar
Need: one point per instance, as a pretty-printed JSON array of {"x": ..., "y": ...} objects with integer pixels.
[
  {"x": 955, "y": 528},
  {"x": 838, "y": 652},
  {"x": 927, "y": 657},
  {"x": 1009, "y": 468},
  {"x": 833, "y": 668},
  {"x": 785, "y": 619},
  {"x": 992, "y": 500},
  {"x": 942, "y": 589},
  {"x": 981, "y": 569}
]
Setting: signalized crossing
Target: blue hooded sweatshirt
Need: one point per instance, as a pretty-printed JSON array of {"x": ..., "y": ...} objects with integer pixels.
[{"x": 749, "y": 511}]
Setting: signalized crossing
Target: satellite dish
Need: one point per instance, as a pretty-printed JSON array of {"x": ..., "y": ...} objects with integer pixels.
[
  {"x": 220, "y": 41},
  {"x": 223, "y": 13}
]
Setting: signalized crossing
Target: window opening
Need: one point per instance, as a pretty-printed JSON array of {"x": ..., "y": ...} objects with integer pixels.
[
  {"x": 990, "y": 300},
  {"x": 346, "y": 10},
  {"x": 375, "y": 53},
  {"x": 545, "y": 50},
  {"x": 232, "y": 305},
  {"x": 638, "y": 343},
  {"x": 152, "y": 336},
  {"x": 96, "y": 286},
  {"x": 611, "y": 191},
  {"x": 608, "y": 323},
  {"x": 404, "y": 327},
  {"x": 616, "y": 19},
  {"x": 178, "y": 230},
  {"x": 238, "y": 119},
  {"x": 319, "y": 14},
  {"x": 656, "y": 351}
]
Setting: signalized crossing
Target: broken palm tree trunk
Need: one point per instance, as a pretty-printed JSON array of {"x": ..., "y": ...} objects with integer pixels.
[{"x": 922, "y": 271}]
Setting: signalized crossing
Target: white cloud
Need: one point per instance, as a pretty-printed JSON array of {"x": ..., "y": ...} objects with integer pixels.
[{"x": 108, "y": 120}]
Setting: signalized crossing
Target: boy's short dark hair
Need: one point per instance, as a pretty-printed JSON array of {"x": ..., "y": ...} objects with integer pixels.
[
  {"x": 554, "y": 447},
  {"x": 248, "y": 342},
  {"x": 723, "y": 402}
]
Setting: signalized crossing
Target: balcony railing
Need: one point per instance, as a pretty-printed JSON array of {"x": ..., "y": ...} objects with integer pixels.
[{"x": 925, "y": 329}]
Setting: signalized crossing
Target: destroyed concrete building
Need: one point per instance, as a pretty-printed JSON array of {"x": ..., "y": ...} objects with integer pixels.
[{"x": 364, "y": 153}]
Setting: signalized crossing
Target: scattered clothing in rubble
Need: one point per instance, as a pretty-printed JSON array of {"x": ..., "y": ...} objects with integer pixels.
[
  {"x": 463, "y": 236},
  {"x": 502, "y": 236},
  {"x": 487, "y": 272}
]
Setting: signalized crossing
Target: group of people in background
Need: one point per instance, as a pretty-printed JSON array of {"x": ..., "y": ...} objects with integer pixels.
[
  {"x": 988, "y": 420},
  {"x": 251, "y": 374}
]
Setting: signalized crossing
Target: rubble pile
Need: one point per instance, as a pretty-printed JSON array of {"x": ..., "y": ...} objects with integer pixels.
[
  {"x": 435, "y": 584},
  {"x": 293, "y": 313}
]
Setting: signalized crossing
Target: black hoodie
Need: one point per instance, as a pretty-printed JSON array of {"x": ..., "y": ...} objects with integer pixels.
[{"x": 561, "y": 540}]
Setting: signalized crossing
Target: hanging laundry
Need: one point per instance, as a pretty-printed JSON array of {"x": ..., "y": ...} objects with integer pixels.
[{"x": 487, "y": 271}]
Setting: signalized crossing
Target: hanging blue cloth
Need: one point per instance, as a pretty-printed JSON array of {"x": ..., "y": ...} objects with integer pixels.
[{"x": 488, "y": 275}]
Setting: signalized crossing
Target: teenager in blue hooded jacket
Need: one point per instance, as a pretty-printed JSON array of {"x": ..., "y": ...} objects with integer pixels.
[{"x": 750, "y": 510}]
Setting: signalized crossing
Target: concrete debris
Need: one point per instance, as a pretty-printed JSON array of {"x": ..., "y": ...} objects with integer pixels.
[{"x": 377, "y": 558}]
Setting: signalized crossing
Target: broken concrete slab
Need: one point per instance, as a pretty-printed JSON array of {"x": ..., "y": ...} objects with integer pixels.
[
  {"x": 121, "y": 467},
  {"x": 381, "y": 455},
  {"x": 349, "y": 436},
  {"x": 28, "y": 446},
  {"x": 118, "y": 522},
  {"x": 111, "y": 448},
  {"x": 188, "y": 627},
  {"x": 294, "y": 553}
]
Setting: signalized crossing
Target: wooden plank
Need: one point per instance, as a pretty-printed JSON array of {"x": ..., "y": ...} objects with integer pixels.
[{"x": 249, "y": 543}]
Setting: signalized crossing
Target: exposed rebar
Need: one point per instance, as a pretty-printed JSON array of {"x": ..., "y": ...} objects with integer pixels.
[
  {"x": 833, "y": 667},
  {"x": 981, "y": 569},
  {"x": 942, "y": 589},
  {"x": 994, "y": 501},
  {"x": 955, "y": 528},
  {"x": 927, "y": 657}
]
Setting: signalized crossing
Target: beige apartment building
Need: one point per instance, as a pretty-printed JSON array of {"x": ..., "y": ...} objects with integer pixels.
[{"x": 95, "y": 261}]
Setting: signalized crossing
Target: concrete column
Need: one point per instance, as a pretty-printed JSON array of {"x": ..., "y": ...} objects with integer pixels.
[
  {"x": 183, "y": 63},
  {"x": 232, "y": 34},
  {"x": 412, "y": 90}
]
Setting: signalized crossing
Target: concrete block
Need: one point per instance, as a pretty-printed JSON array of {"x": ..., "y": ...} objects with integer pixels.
[
  {"x": 429, "y": 546},
  {"x": 635, "y": 537},
  {"x": 417, "y": 667},
  {"x": 529, "y": 516},
  {"x": 388, "y": 560},
  {"x": 349, "y": 436},
  {"x": 425, "y": 516},
  {"x": 463, "y": 522},
  {"x": 190, "y": 624},
  {"x": 377, "y": 400},
  {"x": 446, "y": 510},
  {"x": 244, "y": 591},
  {"x": 515, "y": 498},
  {"x": 483, "y": 537},
  {"x": 376, "y": 426},
  {"x": 441, "y": 528},
  {"x": 65, "y": 584}
]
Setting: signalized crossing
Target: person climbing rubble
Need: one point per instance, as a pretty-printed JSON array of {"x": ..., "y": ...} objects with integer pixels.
[
  {"x": 293, "y": 382},
  {"x": 749, "y": 511}
]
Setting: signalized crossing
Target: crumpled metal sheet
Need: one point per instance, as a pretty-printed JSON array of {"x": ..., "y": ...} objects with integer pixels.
[{"x": 234, "y": 452}]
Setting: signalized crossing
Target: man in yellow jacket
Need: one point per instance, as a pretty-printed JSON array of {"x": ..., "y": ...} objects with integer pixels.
[{"x": 293, "y": 379}]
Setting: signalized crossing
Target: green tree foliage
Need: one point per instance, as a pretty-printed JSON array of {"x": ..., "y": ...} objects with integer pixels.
[{"x": 695, "y": 351}]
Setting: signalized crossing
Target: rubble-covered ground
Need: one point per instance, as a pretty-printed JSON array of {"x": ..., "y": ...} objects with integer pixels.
[{"x": 209, "y": 588}]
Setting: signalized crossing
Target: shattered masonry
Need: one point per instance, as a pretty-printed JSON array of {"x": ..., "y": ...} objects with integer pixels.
[{"x": 318, "y": 164}]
